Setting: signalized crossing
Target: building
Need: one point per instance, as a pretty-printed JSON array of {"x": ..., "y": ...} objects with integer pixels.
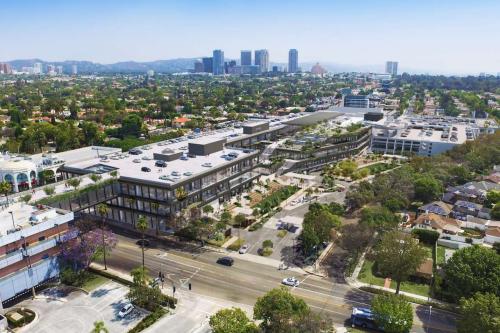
[
  {"x": 37, "y": 68},
  {"x": 293, "y": 61},
  {"x": 51, "y": 70},
  {"x": 355, "y": 101},
  {"x": 422, "y": 135},
  {"x": 74, "y": 69},
  {"x": 208, "y": 64},
  {"x": 150, "y": 72},
  {"x": 262, "y": 60},
  {"x": 391, "y": 67},
  {"x": 198, "y": 66},
  {"x": 246, "y": 58},
  {"x": 317, "y": 69},
  {"x": 5, "y": 68},
  {"x": 59, "y": 70},
  {"x": 30, "y": 239},
  {"x": 26, "y": 172},
  {"x": 218, "y": 62}
]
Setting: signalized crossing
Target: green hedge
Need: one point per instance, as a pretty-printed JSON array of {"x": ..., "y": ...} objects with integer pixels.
[
  {"x": 149, "y": 320},
  {"x": 274, "y": 199},
  {"x": 426, "y": 236},
  {"x": 74, "y": 194}
]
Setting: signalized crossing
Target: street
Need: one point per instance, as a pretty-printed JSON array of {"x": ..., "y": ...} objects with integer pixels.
[{"x": 245, "y": 281}]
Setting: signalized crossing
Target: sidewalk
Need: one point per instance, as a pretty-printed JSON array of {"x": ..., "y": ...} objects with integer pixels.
[{"x": 265, "y": 261}]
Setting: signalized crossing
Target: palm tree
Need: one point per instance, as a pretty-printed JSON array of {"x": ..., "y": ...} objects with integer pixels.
[
  {"x": 180, "y": 193},
  {"x": 99, "y": 327},
  {"x": 5, "y": 189},
  {"x": 142, "y": 225},
  {"x": 102, "y": 209}
]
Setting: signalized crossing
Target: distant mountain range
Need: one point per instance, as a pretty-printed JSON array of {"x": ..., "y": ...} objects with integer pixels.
[
  {"x": 87, "y": 67},
  {"x": 167, "y": 66}
]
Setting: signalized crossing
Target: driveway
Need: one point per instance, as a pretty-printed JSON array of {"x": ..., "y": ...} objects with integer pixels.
[{"x": 77, "y": 312}]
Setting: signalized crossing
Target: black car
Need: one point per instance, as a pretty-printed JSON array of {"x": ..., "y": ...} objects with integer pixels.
[
  {"x": 140, "y": 242},
  {"x": 226, "y": 261},
  {"x": 161, "y": 164},
  {"x": 145, "y": 169},
  {"x": 135, "y": 151}
]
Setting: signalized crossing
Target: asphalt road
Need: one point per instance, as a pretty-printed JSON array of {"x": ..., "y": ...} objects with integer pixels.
[{"x": 245, "y": 281}]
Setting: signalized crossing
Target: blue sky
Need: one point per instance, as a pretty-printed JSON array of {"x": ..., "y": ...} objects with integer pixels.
[{"x": 460, "y": 36}]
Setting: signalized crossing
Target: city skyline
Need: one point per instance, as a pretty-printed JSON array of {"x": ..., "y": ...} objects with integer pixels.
[{"x": 423, "y": 37}]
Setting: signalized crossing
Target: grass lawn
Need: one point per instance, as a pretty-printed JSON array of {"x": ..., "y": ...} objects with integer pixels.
[
  {"x": 379, "y": 167},
  {"x": 93, "y": 282},
  {"x": 366, "y": 276},
  {"x": 440, "y": 255}
]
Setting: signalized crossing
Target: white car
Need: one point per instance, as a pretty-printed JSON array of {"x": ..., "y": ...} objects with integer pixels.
[
  {"x": 291, "y": 281},
  {"x": 125, "y": 310},
  {"x": 243, "y": 249}
]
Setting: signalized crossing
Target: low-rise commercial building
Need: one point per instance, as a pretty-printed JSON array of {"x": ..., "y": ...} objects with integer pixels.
[{"x": 29, "y": 246}]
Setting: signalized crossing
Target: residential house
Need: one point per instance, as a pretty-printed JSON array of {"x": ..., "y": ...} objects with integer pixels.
[
  {"x": 438, "y": 223},
  {"x": 492, "y": 235},
  {"x": 436, "y": 207}
]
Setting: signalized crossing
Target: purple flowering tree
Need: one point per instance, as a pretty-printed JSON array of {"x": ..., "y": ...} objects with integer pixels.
[{"x": 80, "y": 249}]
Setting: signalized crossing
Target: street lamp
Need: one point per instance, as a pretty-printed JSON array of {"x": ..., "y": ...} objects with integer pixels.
[{"x": 12, "y": 216}]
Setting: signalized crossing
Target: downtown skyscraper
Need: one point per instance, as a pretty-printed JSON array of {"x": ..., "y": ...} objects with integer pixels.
[
  {"x": 293, "y": 61},
  {"x": 246, "y": 58},
  {"x": 262, "y": 60},
  {"x": 391, "y": 67},
  {"x": 218, "y": 62}
]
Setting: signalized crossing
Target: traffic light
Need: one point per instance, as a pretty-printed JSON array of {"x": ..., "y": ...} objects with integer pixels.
[{"x": 190, "y": 286}]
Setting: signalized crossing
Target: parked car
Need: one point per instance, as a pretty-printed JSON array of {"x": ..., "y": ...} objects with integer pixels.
[
  {"x": 226, "y": 261},
  {"x": 140, "y": 242},
  {"x": 291, "y": 281},
  {"x": 145, "y": 169},
  {"x": 161, "y": 164},
  {"x": 127, "y": 309},
  {"x": 243, "y": 249}
]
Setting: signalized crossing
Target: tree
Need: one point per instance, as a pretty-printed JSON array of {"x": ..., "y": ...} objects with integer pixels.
[
  {"x": 398, "y": 255},
  {"x": 495, "y": 212},
  {"x": 180, "y": 193},
  {"x": 49, "y": 190},
  {"x": 232, "y": 320},
  {"x": 393, "y": 313},
  {"x": 79, "y": 250},
  {"x": 379, "y": 218},
  {"x": 74, "y": 182},
  {"x": 317, "y": 226},
  {"x": 99, "y": 327},
  {"x": 239, "y": 220},
  {"x": 479, "y": 314},
  {"x": 493, "y": 197},
  {"x": 95, "y": 177},
  {"x": 142, "y": 226},
  {"x": 355, "y": 237},
  {"x": 5, "y": 189},
  {"x": 131, "y": 125},
  {"x": 26, "y": 198},
  {"x": 359, "y": 195},
  {"x": 279, "y": 310},
  {"x": 472, "y": 269},
  {"x": 427, "y": 188},
  {"x": 207, "y": 209},
  {"x": 114, "y": 174},
  {"x": 102, "y": 209}
]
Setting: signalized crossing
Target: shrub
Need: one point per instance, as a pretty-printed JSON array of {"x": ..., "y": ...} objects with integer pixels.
[
  {"x": 149, "y": 320},
  {"x": 235, "y": 246},
  {"x": 426, "y": 236},
  {"x": 266, "y": 252},
  {"x": 267, "y": 243},
  {"x": 282, "y": 233}
]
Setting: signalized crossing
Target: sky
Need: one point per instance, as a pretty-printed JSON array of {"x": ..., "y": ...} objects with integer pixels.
[{"x": 440, "y": 36}]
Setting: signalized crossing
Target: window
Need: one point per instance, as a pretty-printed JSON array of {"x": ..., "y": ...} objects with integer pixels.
[{"x": 41, "y": 239}]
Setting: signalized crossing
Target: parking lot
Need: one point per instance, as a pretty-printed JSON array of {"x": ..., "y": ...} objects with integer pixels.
[{"x": 77, "y": 312}]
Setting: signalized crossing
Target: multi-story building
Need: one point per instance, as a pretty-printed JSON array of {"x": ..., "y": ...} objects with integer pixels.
[
  {"x": 38, "y": 68},
  {"x": 74, "y": 69},
  {"x": 29, "y": 246},
  {"x": 424, "y": 135},
  {"x": 218, "y": 62},
  {"x": 293, "y": 61},
  {"x": 391, "y": 67},
  {"x": 262, "y": 60},
  {"x": 246, "y": 58},
  {"x": 356, "y": 101},
  {"x": 5, "y": 68},
  {"x": 198, "y": 66},
  {"x": 208, "y": 66}
]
